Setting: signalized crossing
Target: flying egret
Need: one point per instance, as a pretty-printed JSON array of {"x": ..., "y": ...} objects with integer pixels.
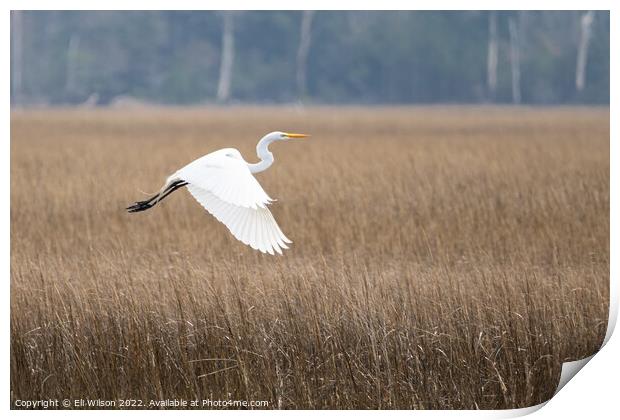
[{"x": 223, "y": 184}]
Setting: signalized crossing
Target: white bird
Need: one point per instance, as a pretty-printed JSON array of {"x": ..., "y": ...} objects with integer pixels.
[{"x": 222, "y": 182}]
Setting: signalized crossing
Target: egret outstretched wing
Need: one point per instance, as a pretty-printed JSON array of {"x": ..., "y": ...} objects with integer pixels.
[
  {"x": 255, "y": 227},
  {"x": 226, "y": 175},
  {"x": 222, "y": 183}
]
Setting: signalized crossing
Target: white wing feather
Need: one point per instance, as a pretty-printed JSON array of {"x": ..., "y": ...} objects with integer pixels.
[
  {"x": 223, "y": 184},
  {"x": 255, "y": 227},
  {"x": 228, "y": 178}
]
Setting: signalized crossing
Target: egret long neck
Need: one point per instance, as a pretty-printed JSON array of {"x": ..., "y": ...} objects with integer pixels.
[{"x": 265, "y": 156}]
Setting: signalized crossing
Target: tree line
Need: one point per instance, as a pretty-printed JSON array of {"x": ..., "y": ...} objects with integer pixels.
[{"x": 362, "y": 57}]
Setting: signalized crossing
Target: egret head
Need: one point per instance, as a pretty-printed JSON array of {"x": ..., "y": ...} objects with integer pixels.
[{"x": 280, "y": 135}]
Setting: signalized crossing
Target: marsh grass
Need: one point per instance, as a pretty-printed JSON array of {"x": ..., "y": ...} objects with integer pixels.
[{"x": 442, "y": 257}]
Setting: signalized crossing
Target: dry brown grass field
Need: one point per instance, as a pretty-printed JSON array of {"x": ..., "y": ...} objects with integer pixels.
[{"x": 445, "y": 257}]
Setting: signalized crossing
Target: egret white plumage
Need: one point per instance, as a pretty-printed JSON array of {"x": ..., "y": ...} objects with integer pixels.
[{"x": 223, "y": 183}]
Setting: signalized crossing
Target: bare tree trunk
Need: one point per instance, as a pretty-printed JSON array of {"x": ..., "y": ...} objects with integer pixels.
[
  {"x": 582, "y": 52},
  {"x": 72, "y": 58},
  {"x": 515, "y": 61},
  {"x": 302, "y": 52},
  {"x": 492, "y": 56},
  {"x": 17, "y": 61},
  {"x": 227, "y": 58}
]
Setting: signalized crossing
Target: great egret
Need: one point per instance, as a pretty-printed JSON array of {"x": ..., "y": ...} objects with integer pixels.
[{"x": 223, "y": 184}]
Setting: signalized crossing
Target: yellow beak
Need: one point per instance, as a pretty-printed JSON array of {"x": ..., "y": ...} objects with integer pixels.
[{"x": 296, "y": 135}]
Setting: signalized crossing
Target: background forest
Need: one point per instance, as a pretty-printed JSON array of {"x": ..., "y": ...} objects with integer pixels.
[{"x": 199, "y": 57}]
